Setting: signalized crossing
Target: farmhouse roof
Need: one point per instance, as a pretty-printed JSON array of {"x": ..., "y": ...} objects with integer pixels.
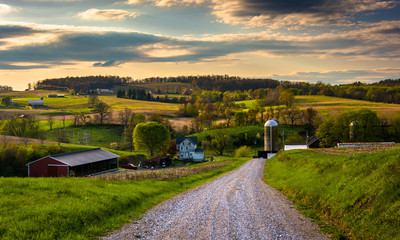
[
  {"x": 179, "y": 140},
  {"x": 82, "y": 157},
  {"x": 199, "y": 150}
]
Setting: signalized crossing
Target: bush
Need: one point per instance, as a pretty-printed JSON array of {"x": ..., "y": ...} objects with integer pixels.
[{"x": 243, "y": 151}]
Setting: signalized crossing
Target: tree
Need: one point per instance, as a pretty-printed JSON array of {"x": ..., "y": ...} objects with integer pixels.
[
  {"x": 50, "y": 122},
  {"x": 93, "y": 99},
  {"x": 221, "y": 142},
  {"x": 103, "y": 111},
  {"x": 337, "y": 129},
  {"x": 124, "y": 116},
  {"x": 286, "y": 97},
  {"x": 6, "y": 101},
  {"x": 292, "y": 113},
  {"x": 153, "y": 136}
]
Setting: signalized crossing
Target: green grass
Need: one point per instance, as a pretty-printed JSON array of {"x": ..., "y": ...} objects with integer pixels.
[
  {"x": 357, "y": 193},
  {"x": 77, "y": 208},
  {"x": 334, "y": 105},
  {"x": 100, "y": 135}
]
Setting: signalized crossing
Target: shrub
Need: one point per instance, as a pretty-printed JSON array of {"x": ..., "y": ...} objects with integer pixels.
[{"x": 243, "y": 151}]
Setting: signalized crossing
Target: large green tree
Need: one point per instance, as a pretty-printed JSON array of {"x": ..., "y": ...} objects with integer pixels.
[
  {"x": 365, "y": 127},
  {"x": 6, "y": 101},
  {"x": 152, "y": 136}
]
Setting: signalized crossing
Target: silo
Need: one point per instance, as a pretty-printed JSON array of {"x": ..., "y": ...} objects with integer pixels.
[
  {"x": 353, "y": 130},
  {"x": 271, "y": 136}
]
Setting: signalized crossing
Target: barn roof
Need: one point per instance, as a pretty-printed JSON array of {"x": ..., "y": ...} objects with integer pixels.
[
  {"x": 179, "y": 140},
  {"x": 73, "y": 159},
  {"x": 84, "y": 157}
]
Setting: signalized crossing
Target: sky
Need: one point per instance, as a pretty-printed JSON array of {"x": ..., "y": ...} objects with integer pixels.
[{"x": 333, "y": 41}]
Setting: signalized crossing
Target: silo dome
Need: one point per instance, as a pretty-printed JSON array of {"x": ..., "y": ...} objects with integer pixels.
[
  {"x": 271, "y": 123},
  {"x": 271, "y": 136}
]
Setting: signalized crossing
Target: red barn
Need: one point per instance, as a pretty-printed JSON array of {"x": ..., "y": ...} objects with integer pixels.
[{"x": 74, "y": 164}]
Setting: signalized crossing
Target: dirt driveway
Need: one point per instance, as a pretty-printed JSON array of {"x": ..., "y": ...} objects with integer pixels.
[{"x": 237, "y": 205}]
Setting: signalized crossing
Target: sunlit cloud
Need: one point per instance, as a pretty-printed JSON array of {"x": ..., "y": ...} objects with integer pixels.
[
  {"x": 161, "y": 50},
  {"x": 111, "y": 63},
  {"x": 4, "y": 9},
  {"x": 107, "y": 14}
]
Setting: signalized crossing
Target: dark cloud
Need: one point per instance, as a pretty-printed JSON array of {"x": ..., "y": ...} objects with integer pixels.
[
  {"x": 272, "y": 13},
  {"x": 394, "y": 30},
  {"x": 7, "y": 31},
  {"x": 271, "y": 7}
]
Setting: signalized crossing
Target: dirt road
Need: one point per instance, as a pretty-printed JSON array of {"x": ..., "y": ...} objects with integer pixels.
[{"x": 238, "y": 205}]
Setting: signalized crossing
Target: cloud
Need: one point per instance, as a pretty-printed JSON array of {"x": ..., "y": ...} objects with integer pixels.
[
  {"x": 111, "y": 63},
  {"x": 282, "y": 14},
  {"x": 107, "y": 14},
  {"x": 343, "y": 76},
  {"x": 49, "y": 44},
  {"x": 4, "y": 9},
  {"x": 167, "y": 3},
  {"x": 22, "y": 67},
  {"x": 7, "y": 31}
]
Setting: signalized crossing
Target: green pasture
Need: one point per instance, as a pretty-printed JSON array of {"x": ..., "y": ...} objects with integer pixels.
[
  {"x": 138, "y": 105},
  {"x": 333, "y": 105},
  {"x": 99, "y": 135},
  {"x": 84, "y": 208},
  {"x": 357, "y": 193},
  {"x": 80, "y": 103}
]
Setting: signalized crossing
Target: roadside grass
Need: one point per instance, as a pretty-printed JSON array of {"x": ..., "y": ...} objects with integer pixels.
[
  {"x": 356, "y": 192},
  {"x": 84, "y": 208}
]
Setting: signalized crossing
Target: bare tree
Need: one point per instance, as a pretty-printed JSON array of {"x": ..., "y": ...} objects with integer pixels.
[
  {"x": 124, "y": 116},
  {"x": 50, "y": 122},
  {"x": 102, "y": 111},
  {"x": 293, "y": 114}
]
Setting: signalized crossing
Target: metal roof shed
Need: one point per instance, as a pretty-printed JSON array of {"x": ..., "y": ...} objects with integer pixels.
[{"x": 81, "y": 163}]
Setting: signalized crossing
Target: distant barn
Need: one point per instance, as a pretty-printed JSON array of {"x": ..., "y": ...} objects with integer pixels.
[
  {"x": 35, "y": 103},
  {"x": 74, "y": 164}
]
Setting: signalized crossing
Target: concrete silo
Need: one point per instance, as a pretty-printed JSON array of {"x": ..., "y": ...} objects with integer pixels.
[
  {"x": 354, "y": 130},
  {"x": 271, "y": 136}
]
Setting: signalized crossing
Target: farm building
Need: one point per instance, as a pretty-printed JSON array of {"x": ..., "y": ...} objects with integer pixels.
[
  {"x": 35, "y": 103},
  {"x": 74, "y": 164},
  {"x": 187, "y": 149}
]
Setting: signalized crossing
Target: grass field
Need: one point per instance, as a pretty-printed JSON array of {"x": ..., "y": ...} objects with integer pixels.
[
  {"x": 333, "y": 105},
  {"x": 79, "y": 208},
  {"x": 74, "y": 104},
  {"x": 100, "y": 136},
  {"x": 355, "y": 191}
]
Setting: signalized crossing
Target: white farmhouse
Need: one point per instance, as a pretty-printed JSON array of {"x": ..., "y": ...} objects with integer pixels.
[{"x": 187, "y": 149}]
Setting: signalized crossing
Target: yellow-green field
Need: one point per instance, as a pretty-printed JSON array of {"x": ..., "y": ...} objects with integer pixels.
[
  {"x": 333, "y": 105},
  {"x": 75, "y": 103}
]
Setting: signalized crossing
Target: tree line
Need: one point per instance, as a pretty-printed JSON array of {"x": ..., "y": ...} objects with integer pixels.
[
  {"x": 5, "y": 88},
  {"x": 82, "y": 84}
]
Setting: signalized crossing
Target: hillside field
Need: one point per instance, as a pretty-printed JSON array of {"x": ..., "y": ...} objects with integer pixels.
[
  {"x": 333, "y": 105},
  {"x": 354, "y": 190}
]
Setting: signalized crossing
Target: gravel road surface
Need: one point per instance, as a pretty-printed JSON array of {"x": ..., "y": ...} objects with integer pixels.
[{"x": 237, "y": 205}]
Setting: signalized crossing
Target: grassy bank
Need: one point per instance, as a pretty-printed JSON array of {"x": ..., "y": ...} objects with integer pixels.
[
  {"x": 357, "y": 192},
  {"x": 79, "y": 208}
]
